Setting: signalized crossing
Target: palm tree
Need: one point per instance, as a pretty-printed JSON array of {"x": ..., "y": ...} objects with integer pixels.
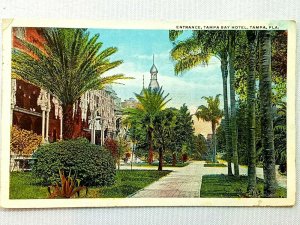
[
  {"x": 211, "y": 113},
  {"x": 265, "y": 91},
  {"x": 151, "y": 103},
  {"x": 198, "y": 50},
  {"x": 69, "y": 63},
  {"x": 233, "y": 126},
  {"x": 251, "y": 99}
]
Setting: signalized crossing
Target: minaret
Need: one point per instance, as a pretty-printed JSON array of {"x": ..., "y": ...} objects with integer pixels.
[
  {"x": 153, "y": 81},
  {"x": 142, "y": 91},
  {"x": 143, "y": 81}
]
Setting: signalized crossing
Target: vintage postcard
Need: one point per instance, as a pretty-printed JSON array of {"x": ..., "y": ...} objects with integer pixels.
[{"x": 121, "y": 114}]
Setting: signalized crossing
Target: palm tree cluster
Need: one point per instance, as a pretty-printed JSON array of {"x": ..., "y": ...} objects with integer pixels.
[
  {"x": 166, "y": 129},
  {"x": 249, "y": 58},
  {"x": 69, "y": 63},
  {"x": 151, "y": 103}
]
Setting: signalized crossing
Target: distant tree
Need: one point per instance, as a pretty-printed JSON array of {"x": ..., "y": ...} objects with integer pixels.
[
  {"x": 211, "y": 113},
  {"x": 183, "y": 132},
  {"x": 112, "y": 146},
  {"x": 122, "y": 148},
  {"x": 164, "y": 124},
  {"x": 200, "y": 147}
]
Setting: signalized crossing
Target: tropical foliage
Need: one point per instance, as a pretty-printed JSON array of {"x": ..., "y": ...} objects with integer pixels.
[
  {"x": 69, "y": 63},
  {"x": 253, "y": 131}
]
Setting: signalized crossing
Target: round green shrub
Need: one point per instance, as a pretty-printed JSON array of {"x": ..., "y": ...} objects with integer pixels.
[{"x": 90, "y": 163}]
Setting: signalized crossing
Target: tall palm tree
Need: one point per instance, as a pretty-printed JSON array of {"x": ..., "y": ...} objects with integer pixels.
[
  {"x": 211, "y": 113},
  {"x": 233, "y": 126},
  {"x": 265, "y": 91},
  {"x": 151, "y": 103},
  {"x": 198, "y": 50},
  {"x": 69, "y": 64},
  {"x": 251, "y": 99}
]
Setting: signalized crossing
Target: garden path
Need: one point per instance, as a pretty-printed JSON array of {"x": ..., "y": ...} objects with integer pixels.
[{"x": 184, "y": 182}]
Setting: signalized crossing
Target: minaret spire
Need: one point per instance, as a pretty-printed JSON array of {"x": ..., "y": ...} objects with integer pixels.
[
  {"x": 143, "y": 81},
  {"x": 153, "y": 81}
]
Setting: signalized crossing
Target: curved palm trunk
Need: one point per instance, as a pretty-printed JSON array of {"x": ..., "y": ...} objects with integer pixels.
[
  {"x": 233, "y": 125},
  {"x": 265, "y": 91},
  {"x": 224, "y": 70},
  {"x": 251, "y": 116},
  {"x": 213, "y": 126}
]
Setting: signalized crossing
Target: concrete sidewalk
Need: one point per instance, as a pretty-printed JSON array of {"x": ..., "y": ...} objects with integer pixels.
[{"x": 185, "y": 182}]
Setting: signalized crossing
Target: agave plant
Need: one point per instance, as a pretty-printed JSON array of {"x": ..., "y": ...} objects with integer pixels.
[{"x": 67, "y": 188}]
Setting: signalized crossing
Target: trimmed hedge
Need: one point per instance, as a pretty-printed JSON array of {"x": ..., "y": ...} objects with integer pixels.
[{"x": 92, "y": 164}]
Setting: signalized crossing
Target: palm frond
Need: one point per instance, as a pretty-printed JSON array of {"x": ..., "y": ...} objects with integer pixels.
[
  {"x": 174, "y": 34},
  {"x": 69, "y": 63}
]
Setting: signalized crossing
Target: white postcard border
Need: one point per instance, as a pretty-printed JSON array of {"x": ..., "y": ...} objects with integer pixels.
[{"x": 134, "y": 202}]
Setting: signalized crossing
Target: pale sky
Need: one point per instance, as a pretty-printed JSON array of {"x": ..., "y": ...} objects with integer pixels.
[{"x": 136, "y": 48}]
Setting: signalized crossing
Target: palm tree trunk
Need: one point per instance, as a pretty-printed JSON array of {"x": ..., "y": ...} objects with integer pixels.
[
  {"x": 251, "y": 116},
  {"x": 232, "y": 101},
  {"x": 266, "y": 116},
  {"x": 72, "y": 125},
  {"x": 160, "y": 158},
  {"x": 213, "y": 126},
  {"x": 224, "y": 64},
  {"x": 68, "y": 122},
  {"x": 150, "y": 153},
  {"x": 174, "y": 160}
]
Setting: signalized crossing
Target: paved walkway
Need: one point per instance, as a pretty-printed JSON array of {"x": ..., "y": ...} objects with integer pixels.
[
  {"x": 185, "y": 182},
  {"x": 182, "y": 183}
]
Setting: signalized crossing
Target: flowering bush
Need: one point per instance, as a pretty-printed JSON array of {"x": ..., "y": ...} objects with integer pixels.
[
  {"x": 23, "y": 141},
  {"x": 112, "y": 146}
]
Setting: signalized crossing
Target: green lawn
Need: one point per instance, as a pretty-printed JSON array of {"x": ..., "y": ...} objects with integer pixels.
[
  {"x": 223, "y": 186},
  {"x": 214, "y": 165},
  {"x": 23, "y": 185}
]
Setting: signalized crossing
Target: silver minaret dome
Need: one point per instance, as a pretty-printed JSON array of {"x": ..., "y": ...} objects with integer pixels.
[{"x": 153, "y": 81}]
